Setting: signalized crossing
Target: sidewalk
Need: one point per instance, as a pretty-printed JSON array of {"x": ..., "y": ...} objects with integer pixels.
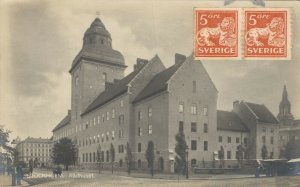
[
  {"x": 169, "y": 176},
  {"x": 5, "y": 180}
]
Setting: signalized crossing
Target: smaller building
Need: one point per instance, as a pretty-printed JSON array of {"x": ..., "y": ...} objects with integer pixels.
[
  {"x": 35, "y": 150},
  {"x": 244, "y": 131},
  {"x": 233, "y": 135}
]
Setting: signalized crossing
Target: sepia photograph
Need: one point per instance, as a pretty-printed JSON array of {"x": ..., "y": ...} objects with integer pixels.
[{"x": 149, "y": 93}]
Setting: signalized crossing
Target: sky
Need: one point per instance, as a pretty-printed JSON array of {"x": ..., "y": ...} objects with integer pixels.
[{"x": 40, "y": 39}]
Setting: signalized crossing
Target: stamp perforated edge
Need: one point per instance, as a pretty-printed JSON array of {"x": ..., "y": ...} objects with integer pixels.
[{"x": 239, "y": 29}]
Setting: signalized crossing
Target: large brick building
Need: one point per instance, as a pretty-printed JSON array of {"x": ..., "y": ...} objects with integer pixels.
[{"x": 152, "y": 103}]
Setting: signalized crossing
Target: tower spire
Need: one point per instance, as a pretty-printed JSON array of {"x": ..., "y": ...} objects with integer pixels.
[{"x": 285, "y": 116}]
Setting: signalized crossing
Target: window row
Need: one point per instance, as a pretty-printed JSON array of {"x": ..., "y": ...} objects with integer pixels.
[
  {"x": 104, "y": 137},
  {"x": 229, "y": 138},
  {"x": 194, "y": 127},
  {"x": 140, "y": 114},
  {"x": 193, "y": 109},
  {"x": 194, "y": 145}
]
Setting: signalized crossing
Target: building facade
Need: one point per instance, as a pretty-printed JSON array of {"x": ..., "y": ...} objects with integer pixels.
[
  {"x": 152, "y": 103},
  {"x": 35, "y": 150}
]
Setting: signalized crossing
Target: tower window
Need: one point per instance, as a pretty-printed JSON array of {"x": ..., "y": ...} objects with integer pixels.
[
  {"x": 194, "y": 86},
  {"x": 76, "y": 81}
]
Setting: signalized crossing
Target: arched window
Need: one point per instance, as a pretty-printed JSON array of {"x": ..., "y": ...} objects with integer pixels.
[{"x": 107, "y": 156}]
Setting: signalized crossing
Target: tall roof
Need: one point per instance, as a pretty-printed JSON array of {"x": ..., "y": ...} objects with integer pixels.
[
  {"x": 116, "y": 89},
  {"x": 262, "y": 112},
  {"x": 97, "y": 47},
  {"x": 230, "y": 121},
  {"x": 65, "y": 121},
  {"x": 158, "y": 83}
]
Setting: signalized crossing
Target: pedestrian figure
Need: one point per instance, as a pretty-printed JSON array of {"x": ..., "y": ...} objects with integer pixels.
[
  {"x": 20, "y": 174},
  {"x": 30, "y": 170}
]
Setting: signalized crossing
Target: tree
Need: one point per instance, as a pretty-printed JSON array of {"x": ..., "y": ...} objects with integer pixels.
[
  {"x": 221, "y": 156},
  {"x": 64, "y": 152},
  {"x": 292, "y": 149},
  {"x": 264, "y": 152},
  {"x": 112, "y": 156},
  {"x": 150, "y": 157},
  {"x": 99, "y": 158},
  {"x": 180, "y": 149},
  {"x": 129, "y": 158}
]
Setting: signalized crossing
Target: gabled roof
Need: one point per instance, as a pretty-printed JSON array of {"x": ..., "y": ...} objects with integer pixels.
[
  {"x": 158, "y": 83},
  {"x": 118, "y": 88},
  {"x": 63, "y": 122},
  {"x": 230, "y": 121},
  {"x": 262, "y": 112}
]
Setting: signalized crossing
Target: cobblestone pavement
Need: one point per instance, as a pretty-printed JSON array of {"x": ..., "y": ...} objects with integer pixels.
[{"x": 79, "y": 179}]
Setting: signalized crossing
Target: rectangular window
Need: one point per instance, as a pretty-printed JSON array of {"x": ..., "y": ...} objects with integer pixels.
[
  {"x": 237, "y": 140},
  {"x": 181, "y": 107},
  {"x": 272, "y": 140},
  {"x": 76, "y": 81},
  {"x": 98, "y": 119},
  {"x": 140, "y": 133},
  {"x": 205, "y": 145},
  {"x": 205, "y": 128},
  {"x": 193, "y": 127},
  {"x": 205, "y": 111},
  {"x": 113, "y": 113},
  {"x": 194, "y": 109},
  {"x": 194, "y": 87},
  {"x": 121, "y": 119},
  {"x": 228, "y": 139},
  {"x": 102, "y": 138},
  {"x": 121, "y": 103},
  {"x": 150, "y": 129},
  {"x": 246, "y": 141},
  {"x": 103, "y": 117},
  {"x": 181, "y": 128},
  {"x": 140, "y": 115},
  {"x": 121, "y": 133},
  {"x": 264, "y": 139},
  {"x": 150, "y": 112},
  {"x": 193, "y": 145},
  {"x": 94, "y": 121},
  {"x": 139, "y": 147},
  {"x": 264, "y": 129},
  {"x": 107, "y": 136},
  {"x": 107, "y": 115},
  {"x": 272, "y": 130},
  {"x": 228, "y": 154},
  {"x": 112, "y": 135},
  {"x": 220, "y": 139}
]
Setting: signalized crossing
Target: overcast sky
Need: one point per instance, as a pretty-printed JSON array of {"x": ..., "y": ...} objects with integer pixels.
[{"x": 39, "y": 40}]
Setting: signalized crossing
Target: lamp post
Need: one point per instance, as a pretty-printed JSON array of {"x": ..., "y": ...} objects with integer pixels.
[{"x": 187, "y": 162}]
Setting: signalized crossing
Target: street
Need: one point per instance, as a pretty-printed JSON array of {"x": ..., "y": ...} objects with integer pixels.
[{"x": 106, "y": 179}]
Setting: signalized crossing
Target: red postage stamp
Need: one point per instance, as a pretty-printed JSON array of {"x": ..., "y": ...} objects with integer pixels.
[
  {"x": 216, "y": 33},
  {"x": 266, "y": 33}
]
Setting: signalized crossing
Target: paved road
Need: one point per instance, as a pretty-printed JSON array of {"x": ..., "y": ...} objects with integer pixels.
[{"x": 108, "y": 180}]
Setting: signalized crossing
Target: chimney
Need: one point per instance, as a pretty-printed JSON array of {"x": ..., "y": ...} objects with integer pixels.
[
  {"x": 179, "y": 58},
  {"x": 139, "y": 63},
  {"x": 235, "y": 105}
]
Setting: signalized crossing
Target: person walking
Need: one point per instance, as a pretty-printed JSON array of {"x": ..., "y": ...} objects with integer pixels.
[{"x": 20, "y": 174}]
